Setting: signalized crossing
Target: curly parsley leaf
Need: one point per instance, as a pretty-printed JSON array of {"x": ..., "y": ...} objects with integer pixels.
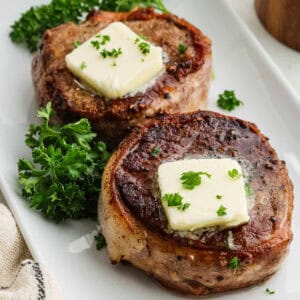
[
  {"x": 222, "y": 211},
  {"x": 63, "y": 178},
  {"x": 100, "y": 241},
  {"x": 192, "y": 179},
  {"x": 127, "y": 5},
  {"x": 234, "y": 174},
  {"x": 228, "y": 101},
  {"x": 175, "y": 200},
  {"x": 270, "y": 292},
  {"x": 29, "y": 28}
]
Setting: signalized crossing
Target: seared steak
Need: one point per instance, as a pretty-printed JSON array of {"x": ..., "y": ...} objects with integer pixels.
[
  {"x": 182, "y": 88},
  {"x": 135, "y": 226}
]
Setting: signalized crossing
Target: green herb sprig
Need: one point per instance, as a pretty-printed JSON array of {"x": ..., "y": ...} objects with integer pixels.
[
  {"x": 234, "y": 263},
  {"x": 228, "y": 101},
  {"x": 222, "y": 211},
  {"x": 234, "y": 174},
  {"x": 175, "y": 200},
  {"x": 63, "y": 178},
  {"x": 270, "y": 292},
  {"x": 114, "y": 53},
  {"x": 192, "y": 179},
  {"x": 127, "y": 5},
  {"x": 29, "y": 28},
  {"x": 182, "y": 48},
  {"x": 155, "y": 151},
  {"x": 100, "y": 241}
]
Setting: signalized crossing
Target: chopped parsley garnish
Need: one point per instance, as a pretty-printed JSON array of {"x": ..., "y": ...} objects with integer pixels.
[
  {"x": 105, "y": 39},
  {"x": 95, "y": 44},
  {"x": 234, "y": 174},
  {"x": 76, "y": 44},
  {"x": 222, "y": 211},
  {"x": 112, "y": 53},
  {"x": 83, "y": 65},
  {"x": 29, "y": 28},
  {"x": 127, "y": 5},
  {"x": 100, "y": 241},
  {"x": 62, "y": 180},
  {"x": 234, "y": 263},
  {"x": 270, "y": 292},
  {"x": 248, "y": 190},
  {"x": 219, "y": 197},
  {"x": 228, "y": 101},
  {"x": 192, "y": 179},
  {"x": 182, "y": 48},
  {"x": 175, "y": 200},
  {"x": 155, "y": 151},
  {"x": 185, "y": 206},
  {"x": 144, "y": 48},
  {"x": 114, "y": 64}
]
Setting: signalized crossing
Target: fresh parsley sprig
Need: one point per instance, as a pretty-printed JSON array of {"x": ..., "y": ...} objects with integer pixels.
[
  {"x": 228, "y": 101},
  {"x": 29, "y": 28},
  {"x": 222, "y": 211},
  {"x": 100, "y": 241},
  {"x": 270, "y": 292},
  {"x": 191, "y": 179},
  {"x": 63, "y": 178},
  {"x": 234, "y": 174},
  {"x": 175, "y": 200},
  {"x": 127, "y": 5}
]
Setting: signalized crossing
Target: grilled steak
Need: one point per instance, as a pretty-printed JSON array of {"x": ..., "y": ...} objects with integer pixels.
[
  {"x": 135, "y": 226},
  {"x": 182, "y": 88}
]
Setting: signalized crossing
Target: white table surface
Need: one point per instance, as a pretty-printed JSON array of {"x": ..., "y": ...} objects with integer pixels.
[{"x": 288, "y": 60}]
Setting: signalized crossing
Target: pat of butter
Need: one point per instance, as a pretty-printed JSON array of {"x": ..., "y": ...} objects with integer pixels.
[
  {"x": 115, "y": 77},
  {"x": 203, "y": 201}
]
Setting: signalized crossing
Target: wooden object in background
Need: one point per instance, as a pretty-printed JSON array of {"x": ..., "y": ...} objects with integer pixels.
[{"x": 282, "y": 19}]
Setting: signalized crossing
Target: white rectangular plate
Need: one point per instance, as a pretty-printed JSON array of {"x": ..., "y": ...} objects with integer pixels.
[{"x": 67, "y": 249}]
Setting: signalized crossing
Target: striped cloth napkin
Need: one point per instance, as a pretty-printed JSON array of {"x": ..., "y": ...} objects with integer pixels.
[{"x": 20, "y": 277}]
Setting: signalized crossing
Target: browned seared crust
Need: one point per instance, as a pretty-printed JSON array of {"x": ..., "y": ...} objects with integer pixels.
[
  {"x": 134, "y": 224},
  {"x": 183, "y": 88}
]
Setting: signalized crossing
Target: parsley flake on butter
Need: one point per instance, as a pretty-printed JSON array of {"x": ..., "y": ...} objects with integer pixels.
[
  {"x": 219, "y": 197},
  {"x": 105, "y": 39},
  {"x": 175, "y": 200},
  {"x": 222, "y": 211},
  {"x": 144, "y": 48},
  {"x": 112, "y": 53},
  {"x": 234, "y": 174},
  {"x": 83, "y": 65},
  {"x": 192, "y": 179},
  {"x": 95, "y": 44}
]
